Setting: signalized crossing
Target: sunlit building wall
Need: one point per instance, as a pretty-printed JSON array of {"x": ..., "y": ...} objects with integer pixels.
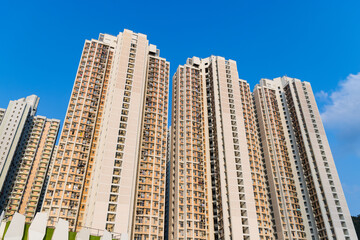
[{"x": 109, "y": 172}]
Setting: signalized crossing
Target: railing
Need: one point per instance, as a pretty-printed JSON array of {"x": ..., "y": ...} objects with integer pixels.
[{"x": 100, "y": 232}]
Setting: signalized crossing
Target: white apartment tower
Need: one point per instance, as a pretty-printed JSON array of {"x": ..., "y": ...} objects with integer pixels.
[
  {"x": 306, "y": 194},
  {"x": 111, "y": 161},
  {"x": 128, "y": 187},
  {"x": 319, "y": 174},
  {"x": 69, "y": 181},
  {"x": 189, "y": 193},
  {"x": 287, "y": 206},
  {"x": 17, "y": 117},
  {"x": 29, "y": 182},
  {"x": 234, "y": 209},
  {"x": 27, "y": 143},
  {"x": 250, "y": 165},
  {"x": 211, "y": 192}
]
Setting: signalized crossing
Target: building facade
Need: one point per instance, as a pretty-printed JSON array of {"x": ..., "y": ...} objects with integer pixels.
[
  {"x": 306, "y": 196},
  {"x": 17, "y": 117},
  {"x": 250, "y": 165},
  {"x": 189, "y": 207},
  {"x": 257, "y": 164},
  {"x": 326, "y": 203},
  {"x": 234, "y": 164},
  {"x": 111, "y": 162},
  {"x": 30, "y": 179},
  {"x": 69, "y": 180},
  {"x": 234, "y": 211},
  {"x": 211, "y": 193},
  {"x": 27, "y": 144},
  {"x": 284, "y": 188},
  {"x": 167, "y": 189}
]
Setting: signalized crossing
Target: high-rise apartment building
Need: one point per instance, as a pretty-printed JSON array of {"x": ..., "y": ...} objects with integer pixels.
[
  {"x": 285, "y": 192},
  {"x": 211, "y": 187},
  {"x": 306, "y": 194},
  {"x": 72, "y": 170},
  {"x": 325, "y": 201},
  {"x": 234, "y": 164},
  {"x": 250, "y": 165},
  {"x": 30, "y": 180},
  {"x": 109, "y": 172},
  {"x": 17, "y": 116},
  {"x": 128, "y": 196},
  {"x": 189, "y": 189},
  {"x": 27, "y": 143},
  {"x": 257, "y": 165}
]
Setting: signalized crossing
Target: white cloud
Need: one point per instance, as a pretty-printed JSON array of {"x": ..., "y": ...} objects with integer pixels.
[
  {"x": 322, "y": 95},
  {"x": 341, "y": 113},
  {"x": 341, "y": 117},
  {"x": 344, "y": 105}
]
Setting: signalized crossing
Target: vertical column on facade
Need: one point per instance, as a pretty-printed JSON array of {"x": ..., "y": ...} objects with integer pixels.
[
  {"x": 261, "y": 194},
  {"x": 167, "y": 189},
  {"x": 149, "y": 206},
  {"x": 204, "y": 116},
  {"x": 284, "y": 197},
  {"x": 215, "y": 201},
  {"x": 69, "y": 175},
  {"x": 47, "y": 178},
  {"x": 328, "y": 202}
]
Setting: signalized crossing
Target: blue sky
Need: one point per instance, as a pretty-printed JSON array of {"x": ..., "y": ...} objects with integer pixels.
[{"x": 316, "y": 41}]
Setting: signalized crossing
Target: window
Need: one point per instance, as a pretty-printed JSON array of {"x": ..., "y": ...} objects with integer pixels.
[
  {"x": 111, "y": 217},
  {"x": 110, "y": 227},
  {"x": 119, "y": 155}
]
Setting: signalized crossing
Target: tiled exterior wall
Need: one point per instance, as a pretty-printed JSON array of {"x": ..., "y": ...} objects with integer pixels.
[
  {"x": 283, "y": 190},
  {"x": 111, "y": 161},
  {"x": 14, "y": 131},
  {"x": 30, "y": 179},
  {"x": 66, "y": 194},
  {"x": 188, "y": 213}
]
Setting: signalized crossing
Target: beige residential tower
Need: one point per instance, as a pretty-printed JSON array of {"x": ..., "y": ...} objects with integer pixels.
[{"x": 110, "y": 167}]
